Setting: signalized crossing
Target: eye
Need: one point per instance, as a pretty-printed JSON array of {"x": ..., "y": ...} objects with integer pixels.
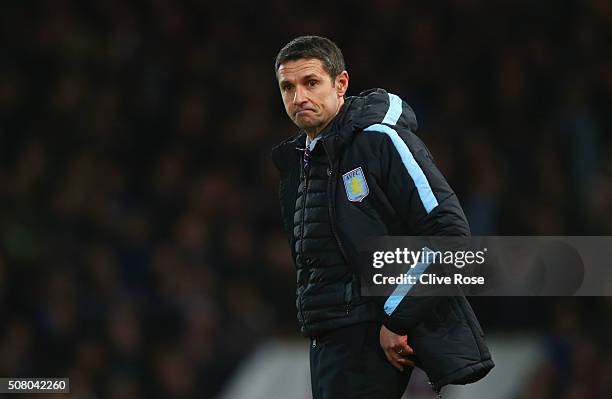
[
  {"x": 286, "y": 87},
  {"x": 312, "y": 83}
]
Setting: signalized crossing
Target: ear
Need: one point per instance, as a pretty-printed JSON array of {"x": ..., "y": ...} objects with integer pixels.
[{"x": 341, "y": 83}]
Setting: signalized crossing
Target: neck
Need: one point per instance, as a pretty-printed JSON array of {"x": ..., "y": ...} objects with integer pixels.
[{"x": 314, "y": 133}]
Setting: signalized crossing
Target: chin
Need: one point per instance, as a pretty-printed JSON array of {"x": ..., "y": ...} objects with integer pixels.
[{"x": 305, "y": 125}]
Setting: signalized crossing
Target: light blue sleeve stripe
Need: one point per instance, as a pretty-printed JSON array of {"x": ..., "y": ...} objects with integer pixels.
[
  {"x": 394, "y": 111},
  {"x": 414, "y": 170},
  {"x": 403, "y": 289}
]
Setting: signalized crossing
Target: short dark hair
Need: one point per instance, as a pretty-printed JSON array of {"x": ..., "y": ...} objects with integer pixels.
[{"x": 320, "y": 48}]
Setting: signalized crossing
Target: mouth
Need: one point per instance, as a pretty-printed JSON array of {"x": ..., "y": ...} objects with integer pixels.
[{"x": 303, "y": 111}]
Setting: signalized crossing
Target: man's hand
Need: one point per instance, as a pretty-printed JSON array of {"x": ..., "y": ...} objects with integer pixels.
[{"x": 396, "y": 348}]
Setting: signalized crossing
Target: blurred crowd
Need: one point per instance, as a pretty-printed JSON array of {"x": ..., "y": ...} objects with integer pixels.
[
  {"x": 575, "y": 359},
  {"x": 141, "y": 251}
]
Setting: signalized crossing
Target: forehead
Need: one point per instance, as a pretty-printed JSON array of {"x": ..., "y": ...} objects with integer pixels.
[{"x": 295, "y": 69}]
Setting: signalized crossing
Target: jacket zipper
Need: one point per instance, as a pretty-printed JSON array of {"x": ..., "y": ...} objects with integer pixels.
[
  {"x": 304, "y": 193},
  {"x": 331, "y": 174}
]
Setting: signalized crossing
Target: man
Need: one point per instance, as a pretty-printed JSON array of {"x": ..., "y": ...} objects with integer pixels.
[{"x": 357, "y": 170}]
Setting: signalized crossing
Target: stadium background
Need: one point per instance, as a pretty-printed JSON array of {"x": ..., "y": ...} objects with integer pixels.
[{"x": 140, "y": 245}]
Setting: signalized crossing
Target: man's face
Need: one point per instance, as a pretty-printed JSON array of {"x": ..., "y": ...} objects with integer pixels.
[{"x": 310, "y": 96}]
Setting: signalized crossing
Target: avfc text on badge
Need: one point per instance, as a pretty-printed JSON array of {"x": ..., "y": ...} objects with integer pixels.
[{"x": 35, "y": 385}]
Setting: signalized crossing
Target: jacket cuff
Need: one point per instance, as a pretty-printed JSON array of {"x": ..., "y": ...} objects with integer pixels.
[{"x": 393, "y": 325}]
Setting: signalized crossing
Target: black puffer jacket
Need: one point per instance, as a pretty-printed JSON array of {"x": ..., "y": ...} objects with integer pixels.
[
  {"x": 382, "y": 181},
  {"x": 326, "y": 297}
]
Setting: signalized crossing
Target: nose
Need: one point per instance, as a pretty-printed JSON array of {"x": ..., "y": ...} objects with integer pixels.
[{"x": 300, "y": 96}]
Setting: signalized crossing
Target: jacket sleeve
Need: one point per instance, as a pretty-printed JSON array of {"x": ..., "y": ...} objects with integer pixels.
[{"x": 426, "y": 205}]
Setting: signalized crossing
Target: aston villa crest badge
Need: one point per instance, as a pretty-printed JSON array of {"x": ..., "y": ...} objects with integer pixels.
[{"x": 355, "y": 185}]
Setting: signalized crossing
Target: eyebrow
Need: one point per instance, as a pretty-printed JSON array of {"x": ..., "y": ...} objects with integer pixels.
[
  {"x": 307, "y": 77},
  {"x": 310, "y": 76}
]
